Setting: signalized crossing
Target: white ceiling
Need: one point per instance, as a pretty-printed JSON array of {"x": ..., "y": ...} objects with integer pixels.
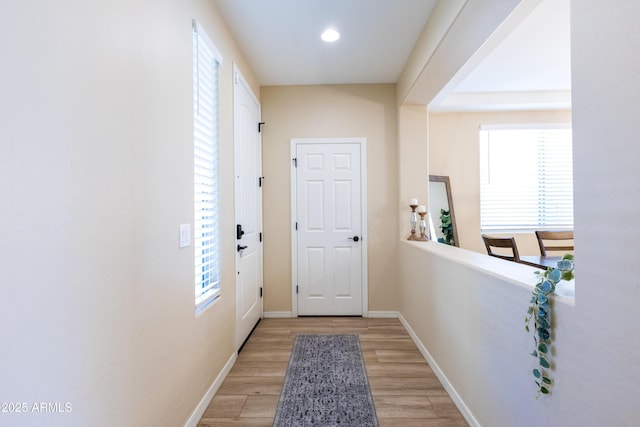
[
  {"x": 528, "y": 68},
  {"x": 281, "y": 38},
  {"x": 535, "y": 56}
]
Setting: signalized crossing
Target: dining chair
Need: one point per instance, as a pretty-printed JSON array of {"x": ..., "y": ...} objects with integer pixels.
[
  {"x": 501, "y": 242},
  {"x": 554, "y": 241}
]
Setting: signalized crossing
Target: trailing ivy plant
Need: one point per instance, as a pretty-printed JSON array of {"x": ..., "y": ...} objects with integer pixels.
[
  {"x": 446, "y": 227},
  {"x": 540, "y": 314}
]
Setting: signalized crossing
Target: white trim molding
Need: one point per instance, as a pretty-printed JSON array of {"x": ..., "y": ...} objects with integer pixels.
[
  {"x": 278, "y": 314},
  {"x": 197, "y": 414},
  {"x": 362, "y": 141},
  {"x": 384, "y": 314},
  {"x": 457, "y": 400}
]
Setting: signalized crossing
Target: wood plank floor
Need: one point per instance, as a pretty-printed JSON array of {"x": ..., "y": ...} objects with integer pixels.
[{"x": 405, "y": 390}]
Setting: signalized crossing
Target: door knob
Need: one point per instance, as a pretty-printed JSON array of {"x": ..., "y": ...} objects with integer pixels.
[
  {"x": 354, "y": 238},
  {"x": 241, "y": 248}
]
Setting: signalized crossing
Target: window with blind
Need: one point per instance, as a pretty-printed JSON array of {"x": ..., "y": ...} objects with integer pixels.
[
  {"x": 206, "y": 63},
  {"x": 526, "y": 178}
]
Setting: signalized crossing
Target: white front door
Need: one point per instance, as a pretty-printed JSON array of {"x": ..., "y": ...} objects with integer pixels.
[
  {"x": 248, "y": 209},
  {"x": 329, "y": 226}
]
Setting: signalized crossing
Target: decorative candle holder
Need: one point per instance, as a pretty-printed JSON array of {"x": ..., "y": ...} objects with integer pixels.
[
  {"x": 413, "y": 220},
  {"x": 424, "y": 237}
]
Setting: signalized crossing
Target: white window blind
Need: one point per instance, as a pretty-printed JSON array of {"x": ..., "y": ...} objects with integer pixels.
[
  {"x": 526, "y": 178},
  {"x": 206, "y": 63}
]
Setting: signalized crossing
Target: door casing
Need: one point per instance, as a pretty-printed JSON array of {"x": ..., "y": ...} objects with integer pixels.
[{"x": 363, "y": 220}]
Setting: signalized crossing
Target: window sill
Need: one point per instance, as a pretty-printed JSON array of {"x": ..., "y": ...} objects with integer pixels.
[{"x": 206, "y": 305}]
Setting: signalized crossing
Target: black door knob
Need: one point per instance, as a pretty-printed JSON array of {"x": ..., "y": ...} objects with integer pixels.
[
  {"x": 241, "y": 248},
  {"x": 354, "y": 238}
]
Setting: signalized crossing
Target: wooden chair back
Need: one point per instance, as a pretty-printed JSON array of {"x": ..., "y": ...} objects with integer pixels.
[
  {"x": 501, "y": 242},
  {"x": 554, "y": 241}
]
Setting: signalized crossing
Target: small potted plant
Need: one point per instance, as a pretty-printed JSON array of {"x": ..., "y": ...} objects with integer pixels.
[{"x": 447, "y": 228}]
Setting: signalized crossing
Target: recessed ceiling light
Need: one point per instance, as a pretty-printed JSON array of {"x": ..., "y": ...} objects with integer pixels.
[{"x": 330, "y": 35}]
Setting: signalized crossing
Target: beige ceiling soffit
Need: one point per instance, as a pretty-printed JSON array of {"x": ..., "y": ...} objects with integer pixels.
[
  {"x": 519, "y": 14},
  {"x": 443, "y": 16},
  {"x": 473, "y": 26},
  {"x": 504, "y": 101}
]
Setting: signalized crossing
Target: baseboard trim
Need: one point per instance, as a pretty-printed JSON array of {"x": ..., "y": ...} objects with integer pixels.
[
  {"x": 197, "y": 414},
  {"x": 277, "y": 314},
  {"x": 288, "y": 314},
  {"x": 457, "y": 400},
  {"x": 384, "y": 314}
]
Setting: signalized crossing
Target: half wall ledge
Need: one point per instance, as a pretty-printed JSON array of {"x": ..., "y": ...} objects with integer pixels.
[{"x": 519, "y": 274}]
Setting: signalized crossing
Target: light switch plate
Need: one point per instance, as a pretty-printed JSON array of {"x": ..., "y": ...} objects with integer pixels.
[{"x": 185, "y": 235}]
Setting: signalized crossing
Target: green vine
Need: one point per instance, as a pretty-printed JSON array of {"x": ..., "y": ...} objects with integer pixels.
[
  {"x": 540, "y": 313},
  {"x": 446, "y": 227}
]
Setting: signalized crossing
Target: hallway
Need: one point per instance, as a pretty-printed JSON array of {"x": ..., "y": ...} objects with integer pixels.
[{"x": 405, "y": 390}]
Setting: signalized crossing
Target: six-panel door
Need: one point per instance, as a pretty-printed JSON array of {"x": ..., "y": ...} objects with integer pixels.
[{"x": 329, "y": 235}]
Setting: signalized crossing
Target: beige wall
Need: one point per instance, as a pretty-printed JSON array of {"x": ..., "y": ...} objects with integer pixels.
[
  {"x": 97, "y": 174},
  {"x": 454, "y": 151},
  {"x": 97, "y": 299},
  {"x": 330, "y": 111},
  {"x": 413, "y": 163}
]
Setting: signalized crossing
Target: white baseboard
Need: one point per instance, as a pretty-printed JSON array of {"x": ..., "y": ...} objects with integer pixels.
[
  {"x": 277, "y": 314},
  {"x": 289, "y": 314},
  {"x": 195, "y": 417},
  {"x": 464, "y": 410},
  {"x": 384, "y": 314}
]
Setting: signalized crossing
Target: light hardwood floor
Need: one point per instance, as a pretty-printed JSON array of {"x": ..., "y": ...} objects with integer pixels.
[{"x": 405, "y": 390}]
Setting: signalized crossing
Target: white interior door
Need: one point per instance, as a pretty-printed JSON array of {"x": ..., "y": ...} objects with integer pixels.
[
  {"x": 248, "y": 209},
  {"x": 329, "y": 226}
]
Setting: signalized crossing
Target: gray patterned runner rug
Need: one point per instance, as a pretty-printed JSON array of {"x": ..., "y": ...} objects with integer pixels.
[{"x": 326, "y": 384}]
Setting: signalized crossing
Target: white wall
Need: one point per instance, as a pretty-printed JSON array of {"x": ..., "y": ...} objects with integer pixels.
[
  {"x": 471, "y": 321},
  {"x": 606, "y": 99},
  {"x": 470, "y": 318},
  {"x": 96, "y": 174}
]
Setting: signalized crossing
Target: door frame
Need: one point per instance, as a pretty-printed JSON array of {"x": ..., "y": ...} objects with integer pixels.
[
  {"x": 239, "y": 79},
  {"x": 362, "y": 141}
]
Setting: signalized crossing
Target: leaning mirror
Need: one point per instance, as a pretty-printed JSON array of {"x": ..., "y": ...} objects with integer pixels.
[{"x": 441, "y": 211}]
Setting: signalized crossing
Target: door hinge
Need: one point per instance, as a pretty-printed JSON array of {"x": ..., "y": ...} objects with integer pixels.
[
  {"x": 261, "y": 236},
  {"x": 296, "y": 289},
  {"x": 260, "y": 178},
  {"x": 295, "y": 162},
  {"x": 260, "y": 126},
  {"x": 260, "y": 291},
  {"x": 296, "y": 225}
]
